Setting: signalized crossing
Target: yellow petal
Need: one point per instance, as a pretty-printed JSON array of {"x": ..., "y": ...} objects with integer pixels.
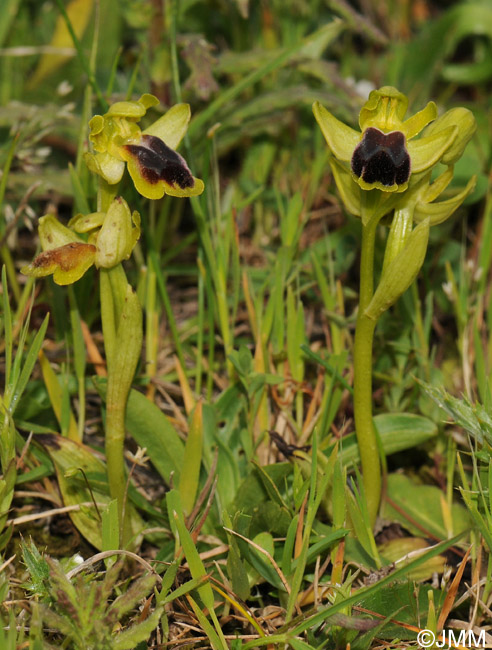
[
  {"x": 133, "y": 110},
  {"x": 464, "y": 120},
  {"x": 196, "y": 190},
  {"x": 87, "y": 222},
  {"x": 106, "y": 165},
  {"x": 348, "y": 188},
  {"x": 442, "y": 210},
  {"x": 417, "y": 122}
]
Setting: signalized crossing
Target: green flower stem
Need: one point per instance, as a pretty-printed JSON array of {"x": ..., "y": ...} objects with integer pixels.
[
  {"x": 364, "y": 333},
  {"x": 105, "y": 195},
  {"x": 122, "y": 315}
]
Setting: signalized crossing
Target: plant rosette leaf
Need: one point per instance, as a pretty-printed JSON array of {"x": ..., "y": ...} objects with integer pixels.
[
  {"x": 407, "y": 502},
  {"x": 69, "y": 457},
  {"x": 397, "y": 432},
  {"x": 402, "y": 549}
]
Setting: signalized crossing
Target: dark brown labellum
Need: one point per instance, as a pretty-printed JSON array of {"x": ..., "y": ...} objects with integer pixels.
[
  {"x": 158, "y": 162},
  {"x": 381, "y": 157}
]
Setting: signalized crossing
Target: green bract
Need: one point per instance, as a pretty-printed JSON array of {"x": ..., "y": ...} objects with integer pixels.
[{"x": 153, "y": 164}]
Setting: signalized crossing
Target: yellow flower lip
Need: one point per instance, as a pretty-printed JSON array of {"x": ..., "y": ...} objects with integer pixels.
[{"x": 67, "y": 263}]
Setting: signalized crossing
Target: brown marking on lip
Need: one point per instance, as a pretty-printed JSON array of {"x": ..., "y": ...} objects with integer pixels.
[
  {"x": 158, "y": 162},
  {"x": 65, "y": 257},
  {"x": 382, "y": 157}
]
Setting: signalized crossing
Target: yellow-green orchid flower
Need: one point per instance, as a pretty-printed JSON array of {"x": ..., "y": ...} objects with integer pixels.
[
  {"x": 112, "y": 237},
  {"x": 154, "y": 165},
  {"x": 385, "y": 154}
]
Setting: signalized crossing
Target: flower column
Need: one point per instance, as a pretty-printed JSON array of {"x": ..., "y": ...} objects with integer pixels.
[{"x": 384, "y": 170}]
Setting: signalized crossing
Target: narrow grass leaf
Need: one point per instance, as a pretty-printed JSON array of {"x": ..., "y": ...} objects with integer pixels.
[
  {"x": 110, "y": 528},
  {"x": 213, "y": 637},
  {"x": 192, "y": 461},
  {"x": 56, "y": 395},
  {"x": 195, "y": 563}
]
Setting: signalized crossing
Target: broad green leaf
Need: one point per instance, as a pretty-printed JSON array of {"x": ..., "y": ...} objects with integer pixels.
[
  {"x": 69, "y": 457},
  {"x": 344, "y": 603},
  {"x": 151, "y": 429},
  {"x": 412, "y": 603},
  {"x": 397, "y": 432},
  {"x": 395, "y": 549},
  {"x": 408, "y": 502}
]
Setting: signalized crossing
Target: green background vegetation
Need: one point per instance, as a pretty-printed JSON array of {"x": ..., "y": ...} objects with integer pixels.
[{"x": 249, "y": 298}]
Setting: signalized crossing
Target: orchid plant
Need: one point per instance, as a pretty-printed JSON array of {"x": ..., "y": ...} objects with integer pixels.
[
  {"x": 107, "y": 237},
  {"x": 385, "y": 170}
]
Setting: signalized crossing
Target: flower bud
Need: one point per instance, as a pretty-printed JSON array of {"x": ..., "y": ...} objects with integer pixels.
[
  {"x": 465, "y": 121},
  {"x": 53, "y": 234},
  {"x": 118, "y": 235}
]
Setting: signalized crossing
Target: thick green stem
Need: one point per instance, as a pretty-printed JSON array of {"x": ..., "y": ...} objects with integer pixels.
[
  {"x": 121, "y": 317},
  {"x": 364, "y": 332},
  {"x": 124, "y": 316}
]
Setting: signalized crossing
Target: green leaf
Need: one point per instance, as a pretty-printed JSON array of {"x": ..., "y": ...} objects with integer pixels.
[
  {"x": 344, "y": 603},
  {"x": 9, "y": 12},
  {"x": 411, "y": 504},
  {"x": 151, "y": 429},
  {"x": 128, "y": 639},
  {"x": 188, "y": 483},
  {"x": 69, "y": 457},
  {"x": 37, "y": 566},
  {"x": 397, "y": 432},
  {"x": 400, "y": 272},
  {"x": 28, "y": 366},
  {"x": 195, "y": 563},
  {"x": 412, "y": 604},
  {"x": 110, "y": 529},
  {"x": 78, "y": 12}
]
